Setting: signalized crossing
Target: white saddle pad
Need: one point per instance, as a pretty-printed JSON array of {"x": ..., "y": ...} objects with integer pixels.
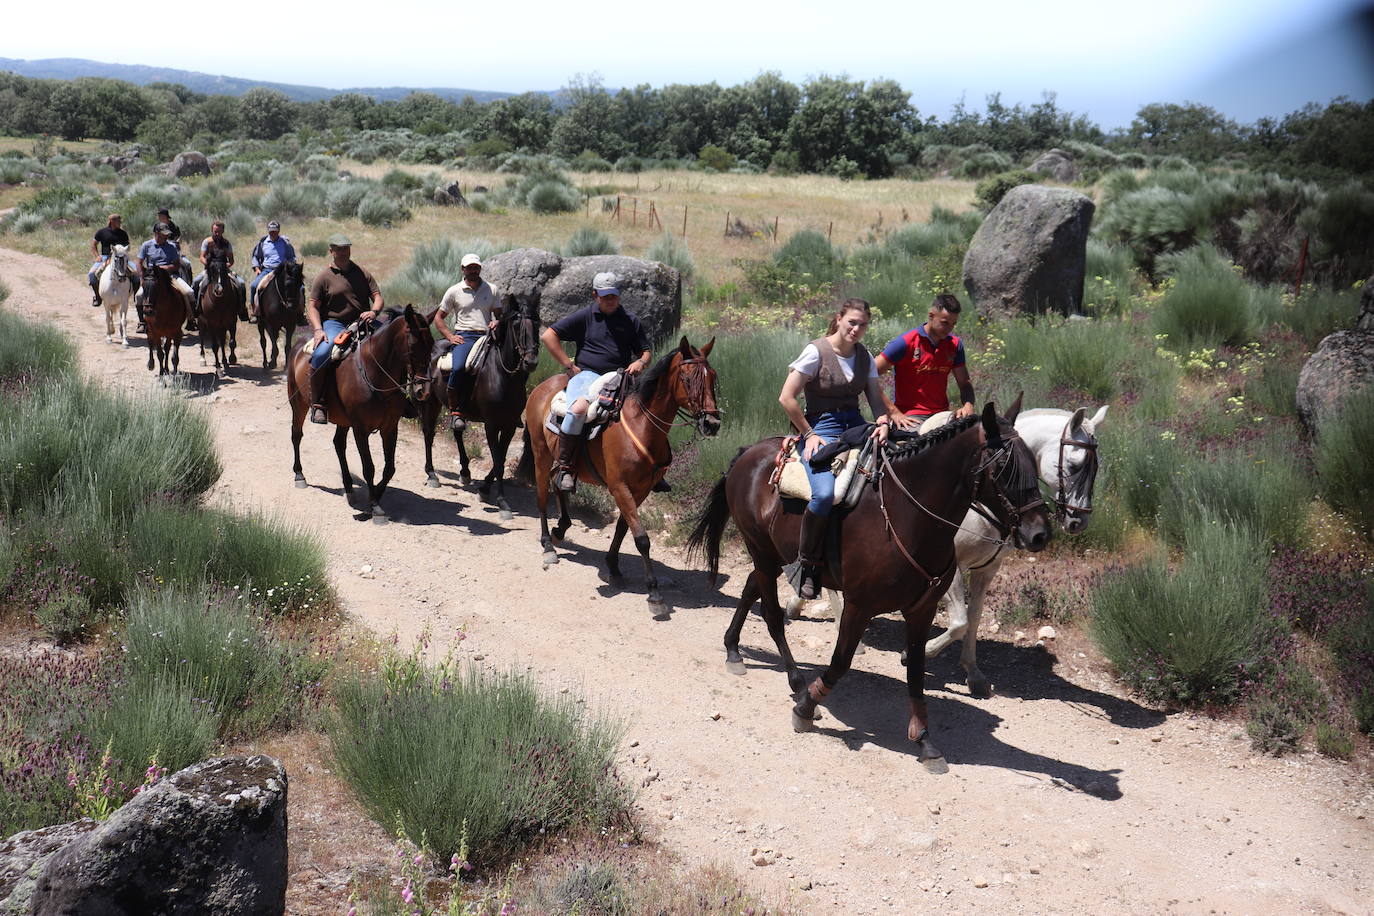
[
  {"x": 475, "y": 355},
  {"x": 558, "y": 407},
  {"x": 936, "y": 420},
  {"x": 795, "y": 484}
]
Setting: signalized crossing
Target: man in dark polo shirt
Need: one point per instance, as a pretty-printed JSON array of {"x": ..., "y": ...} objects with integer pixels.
[
  {"x": 106, "y": 238},
  {"x": 342, "y": 293},
  {"x": 608, "y": 338}
]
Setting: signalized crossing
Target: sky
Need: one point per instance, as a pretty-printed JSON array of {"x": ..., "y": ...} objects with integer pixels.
[{"x": 1247, "y": 58}]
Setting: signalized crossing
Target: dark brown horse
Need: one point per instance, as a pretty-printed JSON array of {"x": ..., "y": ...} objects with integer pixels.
[
  {"x": 371, "y": 387},
  {"x": 497, "y": 400},
  {"x": 164, "y": 313},
  {"x": 631, "y": 454},
  {"x": 893, "y": 550},
  {"x": 219, "y": 303},
  {"x": 281, "y": 307}
]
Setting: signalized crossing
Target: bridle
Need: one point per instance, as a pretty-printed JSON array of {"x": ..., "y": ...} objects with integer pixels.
[
  {"x": 287, "y": 301},
  {"x": 1062, "y": 506},
  {"x": 522, "y": 341},
  {"x": 694, "y": 373},
  {"x": 365, "y": 331}
]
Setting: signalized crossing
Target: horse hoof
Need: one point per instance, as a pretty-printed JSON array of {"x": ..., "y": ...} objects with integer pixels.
[
  {"x": 464, "y": 478},
  {"x": 935, "y": 766},
  {"x": 981, "y": 690},
  {"x": 736, "y": 668},
  {"x": 550, "y": 558},
  {"x": 859, "y": 649},
  {"x": 801, "y": 724},
  {"x": 433, "y": 482},
  {"x": 507, "y": 515},
  {"x": 659, "y": 610},
  {"x": 300, "y": 483}
]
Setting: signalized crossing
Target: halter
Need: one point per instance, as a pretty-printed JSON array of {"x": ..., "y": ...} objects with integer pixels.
[{"x": 1062, "y": 506}]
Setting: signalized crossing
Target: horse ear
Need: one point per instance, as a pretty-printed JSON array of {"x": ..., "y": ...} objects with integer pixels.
[
  {"x": 706, "y": 350},
  {"x": 429, "y": 319},
  {"x": 1097, "y": 419},
  {"x": 990, "y": 428},
  {"x": 1015, "y": 410},
  {"x": 1076, "y": 421},
  {"x": 685, "y": 347}
]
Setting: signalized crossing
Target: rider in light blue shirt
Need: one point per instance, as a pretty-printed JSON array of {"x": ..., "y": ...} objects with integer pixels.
[{"x": 271, "y": 252}]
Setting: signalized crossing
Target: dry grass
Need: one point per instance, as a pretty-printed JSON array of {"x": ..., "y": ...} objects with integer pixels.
[{"x": 25, "y": 145}]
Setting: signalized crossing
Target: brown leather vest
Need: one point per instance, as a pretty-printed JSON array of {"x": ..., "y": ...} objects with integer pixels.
[{"x": 829, "y": 390}]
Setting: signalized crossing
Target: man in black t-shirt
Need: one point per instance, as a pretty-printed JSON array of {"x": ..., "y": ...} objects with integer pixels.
[
  {"x": 106, "y": 238},
  {"x": 608, "y": 338}
]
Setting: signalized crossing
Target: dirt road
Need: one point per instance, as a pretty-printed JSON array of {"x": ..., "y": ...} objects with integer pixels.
[{"x": 1063, "y": 795}]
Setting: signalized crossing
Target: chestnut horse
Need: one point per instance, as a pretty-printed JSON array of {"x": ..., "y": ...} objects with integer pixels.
[
  {"x": 631, "y": 454},
  {"x": 281, "y": 307},
  {"x": 164, "y": 313},
  {"x": 219, "y": 304},
  {"x": 894, "y": 549},
  {"x": 497, "y": 400},
  {"x": 371, "y": 387}
]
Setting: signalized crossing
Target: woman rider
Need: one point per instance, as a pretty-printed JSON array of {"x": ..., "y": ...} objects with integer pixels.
[{"x": 831, "y": 372}]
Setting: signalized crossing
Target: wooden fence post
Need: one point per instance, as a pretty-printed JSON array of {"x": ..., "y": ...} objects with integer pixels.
[{"x": 684, "y": 222}]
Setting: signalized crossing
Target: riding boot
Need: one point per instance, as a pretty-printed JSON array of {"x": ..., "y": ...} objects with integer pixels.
[
  {"x": 95, "y": 289},
  {"x": 458, "y": 397},
  {"x": 321, "y": 381},
  {"x": 243, "y": 307},
  {"x": 192, "y": 310},
  {"x": 812, "y": 543},
  {"x": 252, "y": 306},
  {"x": 565, "y": 474}
]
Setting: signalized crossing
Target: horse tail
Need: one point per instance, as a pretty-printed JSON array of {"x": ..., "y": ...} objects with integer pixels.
[
  {"x": 710, "y": 525},
  {"x": 524, "y": 469}
]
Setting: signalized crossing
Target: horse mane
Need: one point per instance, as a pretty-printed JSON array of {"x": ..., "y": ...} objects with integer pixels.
[
  {"x": 648, "y": 382},
  {"x": 911, "y": 447}
]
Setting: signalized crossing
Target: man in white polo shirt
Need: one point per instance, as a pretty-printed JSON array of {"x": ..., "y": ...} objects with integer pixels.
[{"x": 466, "y": 313}]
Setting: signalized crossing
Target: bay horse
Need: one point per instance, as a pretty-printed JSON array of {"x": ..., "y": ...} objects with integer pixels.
[
  {"x": 894, "y": 549},
  {"x": 371, "y": 388},
  {"x": 116, "y": 288},
  {"x": 1065, "y": 448},
  {"x": 281, "y": 307},
  {"x": 219, "y": 303},
  {"x": 631, "y": 454},
  {"x": 164, "y": 313},
  {"x": 497, "y": 400}
]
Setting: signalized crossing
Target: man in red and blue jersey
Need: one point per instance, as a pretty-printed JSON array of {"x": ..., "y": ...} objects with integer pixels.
[{"x": 924, "y": 358}]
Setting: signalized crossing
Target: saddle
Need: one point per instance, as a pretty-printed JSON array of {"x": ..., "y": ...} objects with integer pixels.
[
  {"x": 853, "y": 468},
  {"x": 936, "y": 420},
  {"x": 476, "y": 355},
  {"x": 347, "y": 340},
  {"x": 603, "y": 399}
]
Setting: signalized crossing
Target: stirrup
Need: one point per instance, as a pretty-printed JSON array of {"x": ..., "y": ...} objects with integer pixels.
[
  {"x": 318, "y": 414},
  {"x": 456, "y": 421},
  {"x": 801, "y": 574},
  {"x": 564, "y": 480}
]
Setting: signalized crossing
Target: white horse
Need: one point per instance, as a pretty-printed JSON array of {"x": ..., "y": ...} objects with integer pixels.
[
  {"x": 116, "y": 288},
  {"x": 1065, "y": 449}
]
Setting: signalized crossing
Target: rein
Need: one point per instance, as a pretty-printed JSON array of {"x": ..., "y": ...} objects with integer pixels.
[
  {"x": 520, "y": 346},
  {"x": 695, "y": 383},
  {"x": 362, "y": 370}
]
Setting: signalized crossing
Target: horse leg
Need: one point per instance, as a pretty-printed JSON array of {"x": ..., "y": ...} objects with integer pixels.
[
  {"x": 262, "y": 344},
  {"x": 733, "y": 662},
  {"x": 464, "y": 475},
  {"x": 978, "y": 684},
  {"x": 388, "y": 466},
  {"x": 152, "y": 348},
  {"x": 918, "y": 726},
  {"x": 777, "y": 628},
  {"x": 429, "y": 420},
  {"x": 613, "y": 553},
  {"x": 498, "y": 444},
  {"x": 360, "y": 437},
  {"x": 957, "y": 609},
  {"x": 853, "y": 622},
  {"x": 564, "y": 519},
  {"x": 541, "y": 498},
  {"x": 233, "y": 358},
  {"x": 176, "y": 355},
  {"x": 341, "y": 449}
]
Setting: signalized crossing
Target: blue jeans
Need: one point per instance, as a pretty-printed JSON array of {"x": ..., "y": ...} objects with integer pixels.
[
  {"x": 332, "y": 329},
  {"x": 828, "y": 426},
  {"x": 460, "y": 354},
  {"x": 95, "y": 269}
]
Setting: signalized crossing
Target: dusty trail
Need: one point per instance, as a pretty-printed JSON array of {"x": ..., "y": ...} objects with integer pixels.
[{"x": 1063, "y": 795}]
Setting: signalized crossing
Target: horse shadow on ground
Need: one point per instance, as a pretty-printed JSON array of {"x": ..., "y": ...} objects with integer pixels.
[
  {"x": 871, "y": 708},
  {"x": 1022, "y": 672}
]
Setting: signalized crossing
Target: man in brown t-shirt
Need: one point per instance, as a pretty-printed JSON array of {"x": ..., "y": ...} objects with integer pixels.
[{"x": 342, "y": 293}]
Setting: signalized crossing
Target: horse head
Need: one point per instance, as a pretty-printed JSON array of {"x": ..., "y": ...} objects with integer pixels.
[
  {"x": 290, "y": 280},
  {"x": 419, "y": 341},
  {"x": 694, "y": 386},
  {"x": 119, "y": 260},
  {"x": 1007, "y": 483},
  {"x": 1075, "y": 469},
  {"x": 216, "y": 271},
  {"x": 516, "y": 336}
]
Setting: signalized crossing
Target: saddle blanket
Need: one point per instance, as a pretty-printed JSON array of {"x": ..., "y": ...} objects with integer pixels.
[
  {"x": 793, "y": 482},
  {"x": 936, "y": 420},
  {"x": 475, "y": 356},
  {"x": 596, "y": 413}
]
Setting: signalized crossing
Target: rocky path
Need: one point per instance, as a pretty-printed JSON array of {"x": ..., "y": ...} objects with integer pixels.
[{"x": 1063, "y": 795}]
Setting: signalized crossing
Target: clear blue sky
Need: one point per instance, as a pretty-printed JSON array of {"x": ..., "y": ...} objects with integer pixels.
[{"x": 1248, "y": 58}]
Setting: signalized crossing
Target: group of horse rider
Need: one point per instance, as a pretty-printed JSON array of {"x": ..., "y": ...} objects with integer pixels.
[
  {"x": 163, "y": 252},
  {"x": 833, "y": 370}
]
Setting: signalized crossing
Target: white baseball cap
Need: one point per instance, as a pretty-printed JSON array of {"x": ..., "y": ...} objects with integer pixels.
[
  {"x": 606, "y": 284},
  {"x": 470, "y": 259}
]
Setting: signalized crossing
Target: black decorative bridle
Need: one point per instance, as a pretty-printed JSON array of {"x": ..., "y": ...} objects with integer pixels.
[{"x": 1087, "y": 473}]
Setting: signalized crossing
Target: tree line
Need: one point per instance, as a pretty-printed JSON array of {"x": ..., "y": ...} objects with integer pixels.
[{"x": 827, "y": 124}]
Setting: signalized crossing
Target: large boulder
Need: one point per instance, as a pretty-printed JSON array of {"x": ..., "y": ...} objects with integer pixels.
[
  {"x": 24, "y": 856},
  {"x": 189, "y": 163},
  {"x": 558, "y": 285},
  {"x": 1030, "y": 253},
  {"x": 1057, "y": 164},
  {"x": 1342, "y": 364},
  {"x": 209, "y": 840}
]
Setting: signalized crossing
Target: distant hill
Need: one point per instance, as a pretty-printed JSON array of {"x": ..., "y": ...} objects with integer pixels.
[{"x": 67, "y": 68}]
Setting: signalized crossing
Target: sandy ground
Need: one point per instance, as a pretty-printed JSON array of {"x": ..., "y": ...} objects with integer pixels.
[{"x": 1063, "y": 795}]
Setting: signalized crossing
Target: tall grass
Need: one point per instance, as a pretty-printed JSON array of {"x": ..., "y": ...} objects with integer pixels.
[
  {"x": 433, "y": 267},
  {"x": 1209, "y": 303},
  {"x": 588, "y": 240},
  {"x": 450, "y": 753},
  {"x": 1264, "y": 494},
  {"x": 1320, "y": 313},
  {"x": 1187, "y": 634},
  {"x": 674, "y": 253},
  {"x": 30, "y": 351},
  {"x": 1345, "y": 470}
]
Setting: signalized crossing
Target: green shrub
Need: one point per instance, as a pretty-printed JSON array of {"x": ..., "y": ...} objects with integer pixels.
[
  {"x": 588, "y": 241},
  {"x": 981, "y": 164},
  {"x": 377, "y": 209},
  {"x": 715, "y": 159},
  {"x": 449, "y": 753},
  {"x": 1109, "y": 286},
  {"x": 1272, "y": 392},
  {"x": 433, "y": 267},
  {"x": 293, "y": 200},
  {"x": 552, "y": 195},
  {"x": 588, "y": 161},
  {"x": 989, "y": 192},
  {"x": 1345, "y": 472},
  {"x": 1265, "y": 494},
  {"x": 315, "y": 248},
  {"x": 1186, "y": 635},
  {"x": 674, "y": 253},
  {"x": 32, "y": 350},
  {"x": 1208, "y": 305},
  {"x": 160, "y": 720},
  {"x": 1145, "y": 464},
  {"x": 345, "y": 197},
  {"x": 1342, "y": 225},
  {"x": 1320, "y": 313}
]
